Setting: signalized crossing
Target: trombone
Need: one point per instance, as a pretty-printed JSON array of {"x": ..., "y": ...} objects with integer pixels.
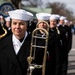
[
  {"x": 33, "y": 47},
  {"x": 5, "y": 31}
]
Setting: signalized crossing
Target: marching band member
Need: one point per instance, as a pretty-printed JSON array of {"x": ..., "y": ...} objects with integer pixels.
[
  {"x": 41, "y": 17},
  {"x": 15, "y": 48},
  {"x": 8, "y": 25},
  {"x": 64, "y": 38},
  {"x": 54, "y": 46}
]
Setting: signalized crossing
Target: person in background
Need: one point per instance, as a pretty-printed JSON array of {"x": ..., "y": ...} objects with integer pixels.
[
  {"x": 64, "y": 40},
  {"x": 32, "y": 24},
  {"x": 8, "y": 22},
  {"x": 54, "y": 47},
  {"x": 43, "y": 17},
  {"x": 8, "y": 25},
  {"x": 15, "y": 48},
  {"x": 2, "y": 20},
  {"x": 69, "y": 35},
  {"x": 71, "y": 23},
  {"x": 39, "y": 54}
]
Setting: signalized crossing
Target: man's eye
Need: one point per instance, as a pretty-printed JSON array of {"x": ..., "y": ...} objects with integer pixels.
[
  {"x": 22, "y": 23},
  {"x": 14, "y": 23}
]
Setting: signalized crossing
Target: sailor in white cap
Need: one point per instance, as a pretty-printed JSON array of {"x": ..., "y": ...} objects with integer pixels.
[
  {"x": 8, "y": 25},
  {"x": 66, "y": 22},
  {"x": 43, "y": 17},
  {"x": 1, "y": 17},
  {"x": 16, "y": 47},
  {"x": 61, "y": 20},
  {"x": 7, "y": 22},
  {"x": 39, "y": 18},
  {"x": 53, "y": 47},
  {"x": 53, "y": 21},
  {"x": 64, "y": 38},
  {"x": 2, "y": 20}
]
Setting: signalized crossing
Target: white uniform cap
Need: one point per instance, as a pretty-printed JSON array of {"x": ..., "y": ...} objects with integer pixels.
[
  {"x": 62, "y": 18},
  {"x": 7, "y": 18},
  {"x": 43, "y": 16},
  {"x": 58, "y": 16},
  {"x": 53, "y": 17},
  {"x": 1, "y": 16},
  {"x": 20, "y": 14},
  {"x": 66, "y": 21}
]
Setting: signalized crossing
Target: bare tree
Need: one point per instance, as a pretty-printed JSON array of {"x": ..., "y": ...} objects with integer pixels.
[
  {"x": 16, "y": 3},
  {"x": 33, "y": 3},
  {"x": 60, "y": 8}
]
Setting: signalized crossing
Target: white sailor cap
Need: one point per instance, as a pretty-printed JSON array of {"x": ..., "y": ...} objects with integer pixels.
[
  {"x": 62, "y": 18},
  {"x": 58, "y": 16},
  {"x": 53, "y": 17},
  {"x": 20, "y": 14},
  {"x": 43, "y": 16},
  {"x": 1, "y": 16},
  {"x": 66, "y": 21},
  {"x": 7, "y": 18}
]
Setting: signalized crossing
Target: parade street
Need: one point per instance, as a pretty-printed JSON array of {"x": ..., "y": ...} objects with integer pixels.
[{"x": 71, "y": 61}]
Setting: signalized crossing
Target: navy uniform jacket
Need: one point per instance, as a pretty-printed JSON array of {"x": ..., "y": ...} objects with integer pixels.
[
  {"x": 64, "y": 37},
  {"x": 69, "y": 38},
  {"x": 54, "y": 49},
  {"x": 65, "y": 48},
  {"x": 10, "y": 63}
]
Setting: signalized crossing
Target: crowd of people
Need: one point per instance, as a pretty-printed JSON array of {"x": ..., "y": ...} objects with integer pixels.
[{"x": 15, "y": 43}]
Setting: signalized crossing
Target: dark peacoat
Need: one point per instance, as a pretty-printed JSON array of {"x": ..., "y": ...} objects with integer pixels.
[
  {"x": 54, "y": 50},
  {"x": 10, "y": 63}
]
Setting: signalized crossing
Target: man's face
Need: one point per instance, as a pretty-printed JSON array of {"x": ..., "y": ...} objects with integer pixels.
[
  {"x": 53, "y": 22},
  {"x": 42, "y": 25},
  {"x": 61, "y": 22},
  {"x": 19, "y": 28},
  {"x": 8, "y": 24}
]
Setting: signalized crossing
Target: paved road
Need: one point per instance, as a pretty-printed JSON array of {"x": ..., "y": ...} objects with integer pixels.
[
  {"x": 71, "y": 62},
  {"x": 73, "y": 42}
]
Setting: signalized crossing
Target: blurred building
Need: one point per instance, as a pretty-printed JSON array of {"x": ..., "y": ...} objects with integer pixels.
[
  {"x": 35, "y": 6},
  {"x": 3, "y": 1}
]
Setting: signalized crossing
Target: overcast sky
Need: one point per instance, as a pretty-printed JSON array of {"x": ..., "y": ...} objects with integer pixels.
[{"x": 69, "y": 3}]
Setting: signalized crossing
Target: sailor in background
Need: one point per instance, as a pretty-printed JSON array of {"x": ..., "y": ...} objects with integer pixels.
[
  {"x": 67, "y": 22},
  {"x": 64, "y": 40},
  {"x": 15, "y": 48},
  {"x": 8, "y": 25},
  {"x": 39, "y": 56},
  {"x": 43, "y": 17},
  {"x": 2, "y": 20},
  {"x": 39, "y": 17},
  {"x": 54, "y": 47},
  {"x": 32, "y": 24},
  {"x": 8, "y": 22}
]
